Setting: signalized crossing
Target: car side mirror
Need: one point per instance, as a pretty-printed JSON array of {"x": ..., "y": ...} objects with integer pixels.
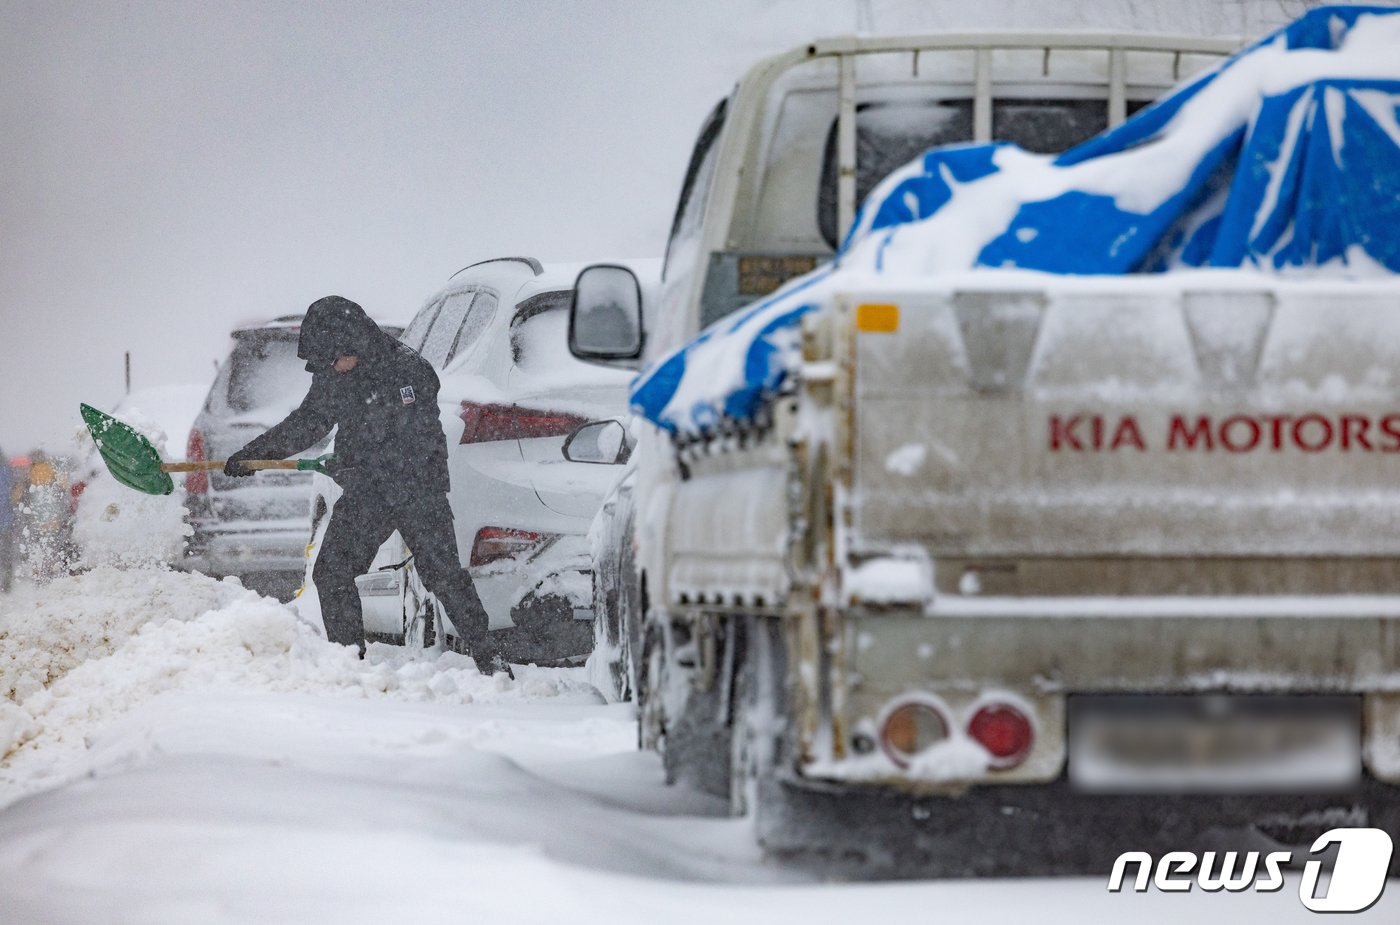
[
  {"x": 605, "y": 317},
  {"x": 599, "y": 442}
]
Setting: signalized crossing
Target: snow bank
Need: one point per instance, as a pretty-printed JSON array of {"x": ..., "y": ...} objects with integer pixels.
[
  {"x": 46, "y": 632},
  {"x": 84, "y": 651}
]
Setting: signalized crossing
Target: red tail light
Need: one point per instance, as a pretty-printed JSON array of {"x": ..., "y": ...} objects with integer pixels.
[
  {"x": 196, "y": 483},
  {"x": 495, "y": 543},
  {"x": 485, "y": 423},
  {"x": 1004, "y": 731},
  {"x": 75, "y": 491}
]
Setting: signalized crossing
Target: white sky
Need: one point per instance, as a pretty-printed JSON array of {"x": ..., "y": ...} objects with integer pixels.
[{"x": 170, "y": 168}]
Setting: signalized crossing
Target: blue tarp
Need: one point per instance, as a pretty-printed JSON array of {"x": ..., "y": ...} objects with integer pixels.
[{"x": 1284, "y": 158}]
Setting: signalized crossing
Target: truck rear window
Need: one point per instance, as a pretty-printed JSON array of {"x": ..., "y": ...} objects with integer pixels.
[{"x": 891, "y": 134}]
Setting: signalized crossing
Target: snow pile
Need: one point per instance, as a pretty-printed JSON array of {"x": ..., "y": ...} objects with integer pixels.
[
  {"x": 890, "y": 579},
  {"x": 1284, "y": 159},
  {"x": 47, "y": 631},
  {"x": 116, "y": 525},
  {"x": 955, "y": 759},
  {"x": 906, "y": 460},
  {"x": 85, "y": 650}
]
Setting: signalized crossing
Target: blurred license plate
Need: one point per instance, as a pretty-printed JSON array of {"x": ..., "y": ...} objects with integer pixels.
[{"x": 1214, "y": 743}]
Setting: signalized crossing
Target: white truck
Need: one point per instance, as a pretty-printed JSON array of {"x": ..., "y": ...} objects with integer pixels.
[{"x": 1009, "y": 578}]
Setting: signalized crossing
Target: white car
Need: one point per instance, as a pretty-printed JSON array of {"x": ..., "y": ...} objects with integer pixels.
[{"x": 511, "y": 397}]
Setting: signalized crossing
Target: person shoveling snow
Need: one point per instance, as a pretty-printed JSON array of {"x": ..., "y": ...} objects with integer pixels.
[
  {"x": 391, "y": 462},
  {"x": 380, "y": 398}
]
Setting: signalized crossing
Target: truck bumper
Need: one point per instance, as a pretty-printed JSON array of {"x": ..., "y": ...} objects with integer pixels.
[
  {"x": 1050, "y": 651},
  {"x": 1046, "y": 829}
]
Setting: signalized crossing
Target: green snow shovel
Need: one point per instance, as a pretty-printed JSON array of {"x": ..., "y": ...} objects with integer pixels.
[{"x": 135, "y": 463}]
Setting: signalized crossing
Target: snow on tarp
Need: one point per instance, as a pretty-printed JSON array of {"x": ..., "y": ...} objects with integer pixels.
[{"x": 1283, "y": 159}]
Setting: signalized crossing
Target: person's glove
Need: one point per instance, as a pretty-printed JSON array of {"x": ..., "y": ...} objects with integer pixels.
[
  {"x": 340, "y": 473},
  {"x": 234, "y": 465}
]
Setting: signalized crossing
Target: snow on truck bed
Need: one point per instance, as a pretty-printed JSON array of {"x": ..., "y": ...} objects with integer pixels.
[{"x": 1285, "y": 159}]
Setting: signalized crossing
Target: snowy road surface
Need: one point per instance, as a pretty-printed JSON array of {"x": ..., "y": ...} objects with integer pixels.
[{"x": 177, "y": 750}]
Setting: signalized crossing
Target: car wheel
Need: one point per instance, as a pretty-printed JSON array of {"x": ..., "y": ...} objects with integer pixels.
[
  {"x": 608, "y": 635},
  {"x": 650, "y": 683},
  {"x": 631, "y": 623}
]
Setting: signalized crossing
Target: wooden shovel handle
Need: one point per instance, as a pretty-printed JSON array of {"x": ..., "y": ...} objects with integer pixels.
[{"x": 206, "y": 465}]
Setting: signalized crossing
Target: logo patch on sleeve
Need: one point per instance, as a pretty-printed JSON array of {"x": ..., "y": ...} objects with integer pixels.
[{"x": 406, "y": 393}]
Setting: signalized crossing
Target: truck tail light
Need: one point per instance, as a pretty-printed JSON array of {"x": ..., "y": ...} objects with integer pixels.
[
  {"x": 911, "y": 727},
  {"x": 1004, "y": 731},
  {"x": 196, "y": 483},
  {"x": 489, "y": 422},
  {"x": 495, "y": 543}
]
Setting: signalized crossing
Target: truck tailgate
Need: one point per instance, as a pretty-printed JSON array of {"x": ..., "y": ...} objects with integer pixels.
[{"x": 1168, "y": 435}]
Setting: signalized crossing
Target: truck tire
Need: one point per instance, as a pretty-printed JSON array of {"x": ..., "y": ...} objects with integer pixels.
[
  {"x": 743, "y": 749},
  {"x": 650, "y": 682},
  {"x": 759, "y": 713},
  {"x": 698, "y": 744}
]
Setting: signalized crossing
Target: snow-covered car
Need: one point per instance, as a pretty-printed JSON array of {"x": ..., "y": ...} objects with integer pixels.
[
  {"x": 617, "y": 618},
  {"x": 512, "y": 397},
  {"x": 254, "y": 528}
]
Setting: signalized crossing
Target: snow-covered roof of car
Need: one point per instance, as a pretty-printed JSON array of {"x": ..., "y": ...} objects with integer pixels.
[
  {"x": 1284, "y": 159},
  {"x": 290, "y": 322},
  {"x": 521, "y": 278},
  {"x": 293, "y": 323}
]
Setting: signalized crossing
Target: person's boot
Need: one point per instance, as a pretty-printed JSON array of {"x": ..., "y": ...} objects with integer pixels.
[{"x": 489, "y": 660}]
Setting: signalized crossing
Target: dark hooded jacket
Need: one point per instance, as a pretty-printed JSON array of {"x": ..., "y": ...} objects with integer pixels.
[{"x": 388, "y": 436}]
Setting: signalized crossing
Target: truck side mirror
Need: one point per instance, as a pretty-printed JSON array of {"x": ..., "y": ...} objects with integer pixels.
[
  {"x": 605, "y": 318},
  {"x": 600, "y": 442}
]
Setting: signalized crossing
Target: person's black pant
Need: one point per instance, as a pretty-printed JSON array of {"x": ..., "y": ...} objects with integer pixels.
[{"x": 361, "y": 521}]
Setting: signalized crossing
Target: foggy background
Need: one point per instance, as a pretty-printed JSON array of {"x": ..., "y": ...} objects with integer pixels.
[{"x": 168, "y": 169}]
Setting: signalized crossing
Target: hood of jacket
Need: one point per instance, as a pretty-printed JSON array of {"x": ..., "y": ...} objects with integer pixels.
[{"x": 335, "y": 327}]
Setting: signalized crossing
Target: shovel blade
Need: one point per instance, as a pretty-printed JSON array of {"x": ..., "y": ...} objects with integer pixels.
[{"x": 129, "y": 455}]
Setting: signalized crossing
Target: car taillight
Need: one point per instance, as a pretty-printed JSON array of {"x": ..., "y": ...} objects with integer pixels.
[
  {"x": 487, "y": 422},
  {"x": 196, "y": 483},
  {"x": 1004, "y": 731},
  {"x": 495, "y": 543},
  {"x": 910, "y": 728},
  {"x": 75, "y": 491}
]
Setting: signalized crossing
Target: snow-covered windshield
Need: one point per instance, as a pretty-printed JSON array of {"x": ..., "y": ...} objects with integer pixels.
[{"x": 265, "y": 370}]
